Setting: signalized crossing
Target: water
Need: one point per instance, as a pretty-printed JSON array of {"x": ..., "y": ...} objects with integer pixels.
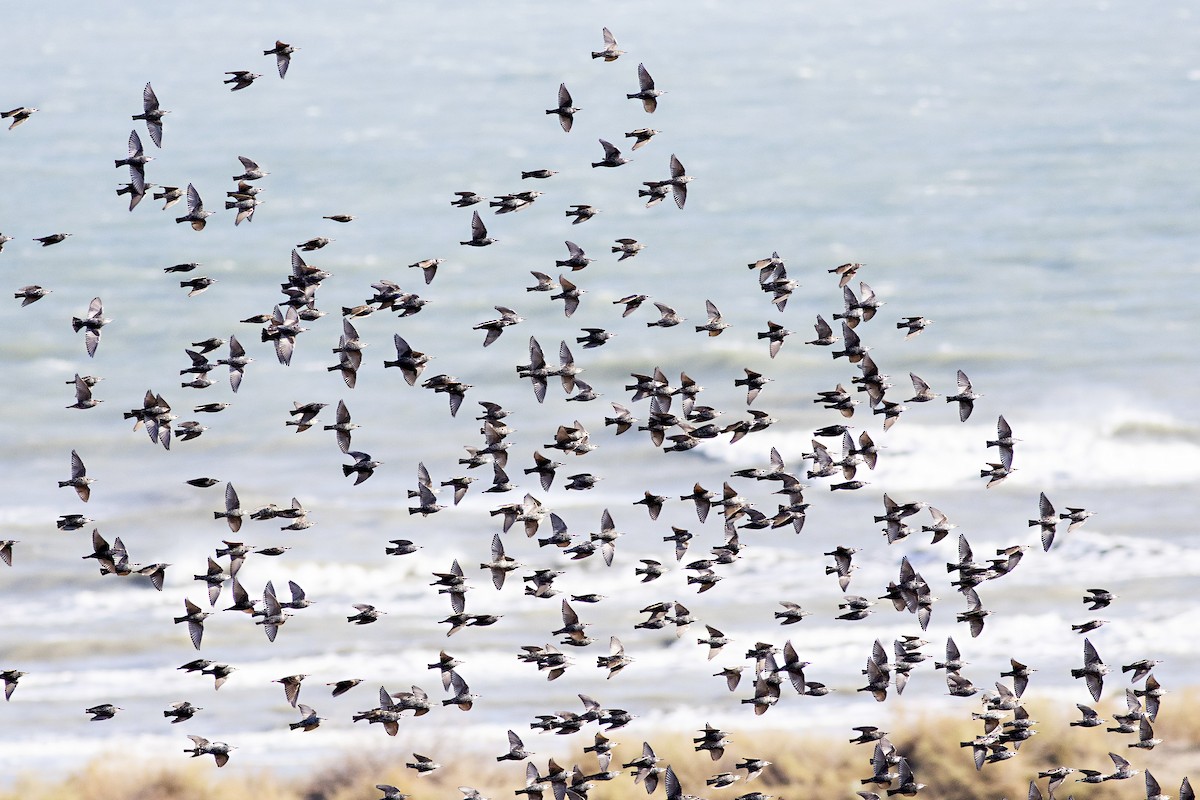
[{"x": 1021, "y": 175}]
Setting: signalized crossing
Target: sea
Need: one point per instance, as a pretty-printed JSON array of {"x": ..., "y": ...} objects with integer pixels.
[{"x": 1021, "y": 174}]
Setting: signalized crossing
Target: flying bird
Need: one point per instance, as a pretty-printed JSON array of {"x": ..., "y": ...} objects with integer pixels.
[
  {"x": 646, "y": 91},
  {"x": 283, "y": 58},
  {"x": 565, "y": 111},
  {"x": 91, "y": 325},
  {"x": 152, "y": 114},
  {"x": 196, "y": 214}
]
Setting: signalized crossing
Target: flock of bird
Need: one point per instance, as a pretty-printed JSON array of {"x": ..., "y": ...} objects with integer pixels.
[{"x": 675, "y": 421}]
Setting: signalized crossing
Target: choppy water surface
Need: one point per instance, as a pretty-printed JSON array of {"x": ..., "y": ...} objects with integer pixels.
[{"x": 1023, "y": 176}]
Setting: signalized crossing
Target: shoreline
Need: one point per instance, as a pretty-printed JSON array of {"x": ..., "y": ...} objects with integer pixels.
[{"x": 805, "y": 764}]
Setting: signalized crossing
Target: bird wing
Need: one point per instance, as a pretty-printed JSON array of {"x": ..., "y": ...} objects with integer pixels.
[{"x": 645, "y": 82}]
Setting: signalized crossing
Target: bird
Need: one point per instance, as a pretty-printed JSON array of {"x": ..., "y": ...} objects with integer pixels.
[
  {"x": 170, "y": 195},
  {"x": 467, "y": 198},
  {"x": 251, "y": 170},
  {"x": 103, "y": 712},
  {"x": 17, "y": 115},
  {"x": 215, "y": 577},
  {"x": 576, "y": 258},
  {"x": 842, "y": 566},
  {"x": 91, "y": 325},
  {"x": 1093, "y": 670},
  {"x": 152, "y": 113},
  {"x": 308, "y": 719},
  {"x": 646, "y": 91},
  {"x": 10, "y": 678},
  {"x": 1047, "y": 521},
  {"x": 343, "y": 218},
  {"x": 428, "y": 268},
  {"x": 582, "y": 213},
  {"x": 135, "y": 195},
  {"x": 965, "y": 397},
  {"x": 291, "y": 687},
  {"x": 366, "y": 614},
  {"x": 612, "y": 156},
  {"x": 1076, "y": 517},
  {"x": 315, "y": 243},
  {"x": 363, "y": 466},
  {"x": 668, "y": 318},
  {"x": 79, "y": 479},
  {"x": 83, "y": 394},
  {"x": 218, "y": 750},
  {"x": 754, "y": 382},
  {"x": 716, "y": 324},
  {"x": 136, "y": 161},
  {"x": 410, "y": 362},
  {"x": 53, "y": 238},
  {"x": 283, "y": 59},
  {"x": 196, "y": 214},
  {"x": 914, "y": 325},
  {"x": 570, "y": 293},
  {"x": 1004, "y": 441},
  {"x": 423, "y": 764},
  {"x": 1140, "y": 668},
  {"x": 495, "y": 327},
  {"x": 610, "y": 51},
  {"x": 677, "y": 182},
  {"x": 197, "y": 285},
  {"x": 641, "y": 136},
  {"x": 565, "y": 111},
  {"x": 195, "y": 621},
  {"x": 30, "y": 294},
  {"x": 241, "y": 78},
  {"x": 181, "y": 712},
  {"x": 479, "y": 237}
]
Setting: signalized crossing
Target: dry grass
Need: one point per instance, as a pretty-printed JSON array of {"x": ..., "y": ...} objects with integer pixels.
[{"x": 805, "y": 766}]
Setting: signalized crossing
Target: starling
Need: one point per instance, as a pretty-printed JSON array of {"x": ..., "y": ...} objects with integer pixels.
[
  {"x": 1093, "y": 670},
  {"x": 582, "y": 213},
  {"x": 965, "y": 398},
  {"x": 30, "y": 294},
  {"x": 479, "y": 237},
  {"x": 241, "y": 78},
  {"x": 136, "y": 161},
  {"x": 467, "y": 198},
  {"x": 197, "y": 285},
  {"x": 641, "y": 136},
  {"x": 83, "y": 394},
  {"x": 610, "y": 51},
  {"x": 79, "y": 479},
  {"x": 181, "y": 711},
  {"x": 196, "y": 215},
  {"x": 565, "y": 111},
  {"x": 17, "y": 115},
  {"x": 218, "y": 750},
  {"x": 646, "y": 91},
  {"x": 612, "y": 156},
  {"x": 152, "y": 114},
  {"x": 283, "y": 59},
  {"x": 91, "y": 325},
  {"x": 195, "y": 620},
  {"x": 102, "y": 712},
  {"x": 914, "y": 325},
  {"x": 53, "y": 238},
  {"x": 366, "y": 614}
]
